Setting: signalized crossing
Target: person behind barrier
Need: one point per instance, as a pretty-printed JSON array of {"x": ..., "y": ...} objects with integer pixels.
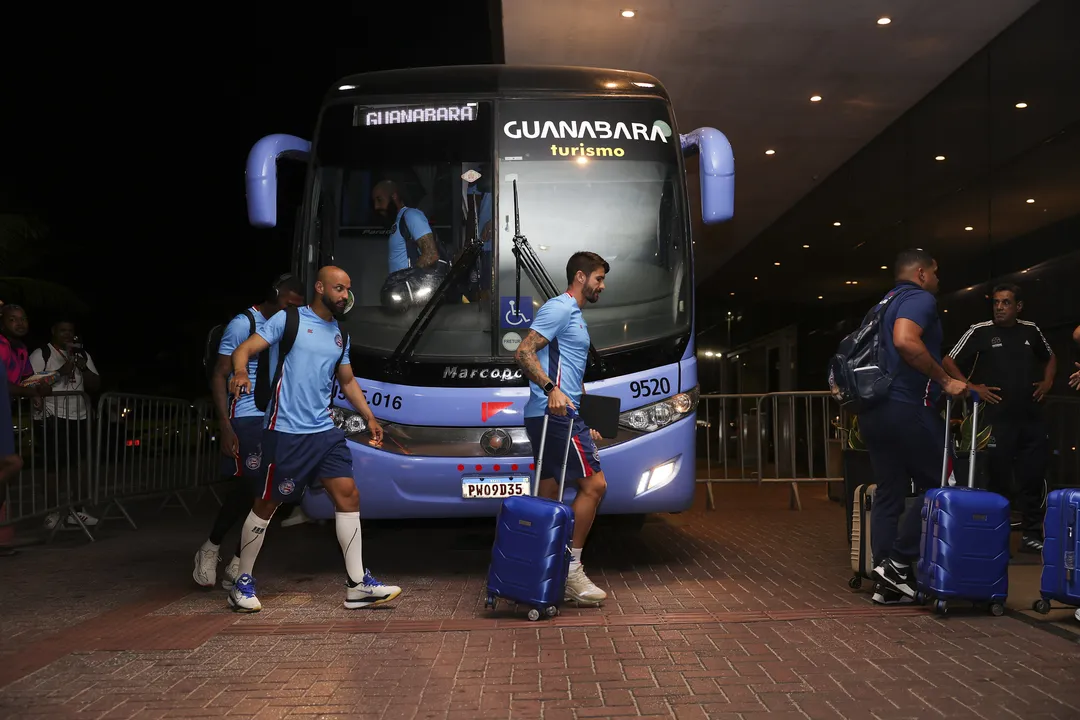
[
  {"x": 1002, "y": 358},
  {"x": 553, "y": 356},
  {"x": 904, "y": 432},
  {"x": 301, "y": 443},
  {"x": 14, "y": 356},
  {"x": 1074, "y": 382},
  {"x": 240, "y": 423},
  {"x": 64, "y": 419},
  {"x": 10, "y": 462}
]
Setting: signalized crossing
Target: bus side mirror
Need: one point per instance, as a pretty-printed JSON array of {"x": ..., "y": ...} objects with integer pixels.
[
  {"x": 261, "y": 175},
  {"x": 717, "y": 173}
]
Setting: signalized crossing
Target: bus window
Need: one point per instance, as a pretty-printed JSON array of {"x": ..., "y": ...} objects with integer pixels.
[
  {"x": 600, "y": 175},
  {"x": 400, "y": 191}
]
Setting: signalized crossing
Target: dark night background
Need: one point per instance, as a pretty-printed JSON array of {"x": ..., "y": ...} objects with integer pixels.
[{"x": 133, "y": 157}]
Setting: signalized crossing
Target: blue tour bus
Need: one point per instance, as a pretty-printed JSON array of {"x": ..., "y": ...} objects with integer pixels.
[{"x": 514, "y": 169}]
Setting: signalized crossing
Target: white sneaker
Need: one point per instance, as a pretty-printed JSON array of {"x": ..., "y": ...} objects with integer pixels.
[
  {"x": 369, "y": 592},
  {"x": 242, "y": 597},
  {"x": 297, "y": 517},
  {"x": 232, "y": 572},
  {"x": 53, "y": 518},
  {"x": 205, "y": 572},
  {"x": 580, "y": 588}
]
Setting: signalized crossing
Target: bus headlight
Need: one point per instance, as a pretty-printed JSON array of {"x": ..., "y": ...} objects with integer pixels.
[
  {"x": 661, "y": 414},
  {"x": 657, "y": 477},
  {"x": 348, "y": 420}
]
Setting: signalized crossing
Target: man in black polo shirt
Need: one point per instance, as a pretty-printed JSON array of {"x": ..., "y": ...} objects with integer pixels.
[{"x": 1003, "y": 358}]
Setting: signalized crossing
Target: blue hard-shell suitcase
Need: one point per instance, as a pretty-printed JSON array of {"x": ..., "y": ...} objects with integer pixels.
[
  {"x": 965, "y": 538},
  {"x": 1060, "y": 581},
  {"x": 530, "y": 558}
]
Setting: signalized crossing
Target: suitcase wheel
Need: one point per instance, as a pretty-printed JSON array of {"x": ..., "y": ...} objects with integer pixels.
[
  {"x": 1041, "y": 606},
  {"x": 534, "y": 614},
  {"x": 941, "y": 607},
  {"x": 997, "y": 609},
  {"x": 552, "y": 611},
  {"x": 489, "y": 602},
  {"x": 855, "y": 582}
]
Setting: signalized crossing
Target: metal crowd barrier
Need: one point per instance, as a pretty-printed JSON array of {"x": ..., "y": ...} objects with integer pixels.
[
  {"x": 148, "y": 446},
  {"x": 57, "y": 478},
  {"x": 781, "y": 437}
]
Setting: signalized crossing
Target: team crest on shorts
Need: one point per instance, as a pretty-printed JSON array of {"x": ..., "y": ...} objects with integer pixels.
[
  {"x": 286, "y": 486},
  {"x": 337, "y": 340},
  {"x": 253, "y": 461}
]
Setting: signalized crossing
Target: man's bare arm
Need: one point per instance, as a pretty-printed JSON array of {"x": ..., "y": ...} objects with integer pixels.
[
  {"x": 907, "y": 338},
  {"x": 429, "y": 254},
  {"x": 525, "y": 356},
  {"x": 218, "y": 391},
  {"x": 254, "y": 345},
  {"x": 353, "y": 392}
]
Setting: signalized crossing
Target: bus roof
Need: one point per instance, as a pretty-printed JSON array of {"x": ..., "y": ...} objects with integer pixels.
[{"x": 498, "y": 80}]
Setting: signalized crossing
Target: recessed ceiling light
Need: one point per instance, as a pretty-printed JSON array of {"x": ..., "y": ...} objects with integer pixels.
[
  {"x": 836, "y": 224},
  {"x": 946, "y": 311},
  {"x": 854, "y": 282},
  {"x": 770, "y": 152},
  {"x": 1030, "y": 200},
  {"x": 848, "y": 282},
  {"x": 939, "y": 158},
  {"x": 818, "y": 297},
  {"x": 1021, "y": 105},
  {"x": 628, "y": 13},
  {"x": 884, "y": 21},
  {"x": 815, "y": 98},
  {"x": 732, "y": 294},
  {"x": 805, "y": 246},
  {"x": 968, "y": 228},
  {"x": 776, "y": 264},
  {"x": 755, "y": 277},
  {"x": 884, "y": 267}
]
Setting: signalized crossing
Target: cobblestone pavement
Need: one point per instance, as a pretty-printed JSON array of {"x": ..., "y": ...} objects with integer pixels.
[{"x": 743, "y": 612}]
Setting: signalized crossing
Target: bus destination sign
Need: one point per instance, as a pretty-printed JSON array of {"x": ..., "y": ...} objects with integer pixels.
[{"x": 408, "y": 115}]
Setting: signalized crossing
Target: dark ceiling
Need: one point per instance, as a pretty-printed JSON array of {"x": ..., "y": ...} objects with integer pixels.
[{"x": 894, "y": 193}]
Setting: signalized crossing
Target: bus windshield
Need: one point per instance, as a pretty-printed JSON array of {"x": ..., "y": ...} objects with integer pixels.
[
  {"x": 419, "y": 168},
  {"x": 600, "y": 175}
]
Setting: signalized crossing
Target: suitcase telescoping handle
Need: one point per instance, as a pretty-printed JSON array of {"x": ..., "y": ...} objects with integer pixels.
[
  {"x": 975, "y": 403},
  {"x": 566, "y": 454}
]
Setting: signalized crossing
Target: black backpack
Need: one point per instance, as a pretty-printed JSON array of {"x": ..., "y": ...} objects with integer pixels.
[
  {"x": 262, "y": 370},
  {"x": 288, "y": 338},
  {"x": 857, "y": 376}
]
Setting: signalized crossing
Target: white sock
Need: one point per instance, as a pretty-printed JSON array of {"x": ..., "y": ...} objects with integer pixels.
[
  {"x": 210, "y": 546},
  {"x": 251, "y": 540},
  {"x": 575, "y": 556},
  {"x": 347, "y": 525}
]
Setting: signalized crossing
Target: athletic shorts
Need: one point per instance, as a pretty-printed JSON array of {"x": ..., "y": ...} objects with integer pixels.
[
  {"x": 294, "y": 462},
  {"x": 582, "y": 460},
  {"x": 248, "y": 461}
]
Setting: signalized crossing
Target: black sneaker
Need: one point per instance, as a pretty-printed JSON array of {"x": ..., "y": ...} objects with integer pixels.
[
  {"x": 1031, "y": 544},
  {"x": 898, "y": 578},
  {"x": 885, "y": 596}
]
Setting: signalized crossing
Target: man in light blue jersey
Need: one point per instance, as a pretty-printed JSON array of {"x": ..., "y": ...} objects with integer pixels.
[
  {"x": 553, "y": 356},
  {"x": 301, "y": 443},
  {"x": 416, "y": 246},
  {"x": 240, "y": 425}
]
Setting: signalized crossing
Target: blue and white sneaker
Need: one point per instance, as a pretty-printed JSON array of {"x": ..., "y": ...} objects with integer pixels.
[
  {"x": 369, "y": 592},
  {"x": 242, "y": 596}
]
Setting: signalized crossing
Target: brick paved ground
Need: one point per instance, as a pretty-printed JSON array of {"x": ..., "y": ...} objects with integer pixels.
[{"x": 741, "y": 612}]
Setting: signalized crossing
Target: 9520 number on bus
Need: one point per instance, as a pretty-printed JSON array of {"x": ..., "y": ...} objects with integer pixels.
[{"x": 494, "y": 488}]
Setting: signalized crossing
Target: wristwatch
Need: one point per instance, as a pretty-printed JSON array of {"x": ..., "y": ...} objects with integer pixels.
[{"x": 549, "y": 387}]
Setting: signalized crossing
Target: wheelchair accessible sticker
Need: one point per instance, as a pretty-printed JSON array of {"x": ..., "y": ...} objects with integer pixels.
[{"x": 511, "y": 315}]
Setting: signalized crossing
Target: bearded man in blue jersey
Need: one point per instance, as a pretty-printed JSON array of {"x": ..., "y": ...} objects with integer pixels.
[
  {"x": 553, "y": 356},
  {"x": 301, "y": 443}
]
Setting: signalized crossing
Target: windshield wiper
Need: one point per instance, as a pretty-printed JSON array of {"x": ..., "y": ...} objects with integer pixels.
[
  {"x": 524, "y": 256},
  {"x": 458, "y": 270}
]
